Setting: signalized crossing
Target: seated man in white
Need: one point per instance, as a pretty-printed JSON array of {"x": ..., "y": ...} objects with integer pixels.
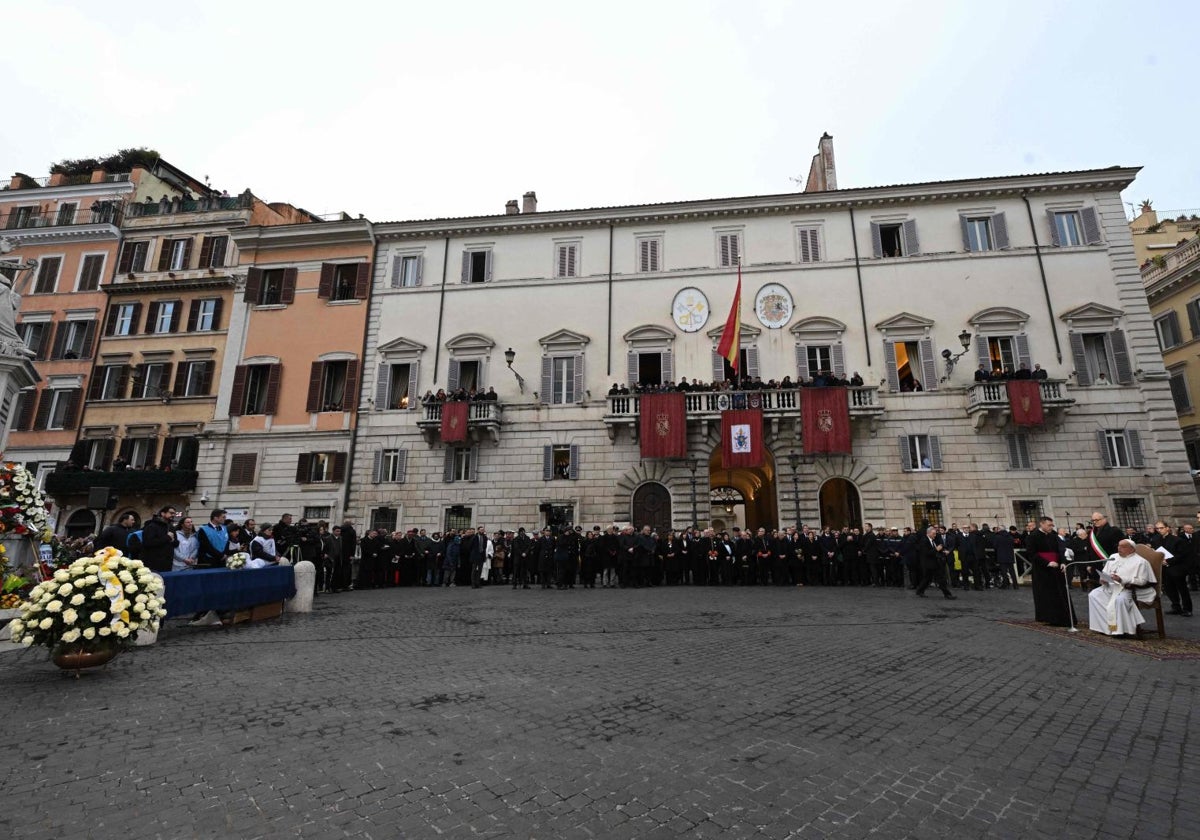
[{"x": 1126, "y": 579}]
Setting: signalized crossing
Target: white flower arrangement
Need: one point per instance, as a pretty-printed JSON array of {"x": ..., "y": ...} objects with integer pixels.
[
  {"x": 22, "y": 508},
  {"x": 109, "y": 614},
  {"x": 237, "y": 560}
]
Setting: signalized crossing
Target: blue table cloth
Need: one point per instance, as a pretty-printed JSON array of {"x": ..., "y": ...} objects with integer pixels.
[{"x": 198, "y": 590}]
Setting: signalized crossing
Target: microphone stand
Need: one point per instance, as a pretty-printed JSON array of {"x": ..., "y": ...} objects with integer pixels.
[{"x": 1067, "y": 586}]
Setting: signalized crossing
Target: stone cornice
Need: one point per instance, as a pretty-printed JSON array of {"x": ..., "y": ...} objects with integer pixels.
[
  {"x": 259, "y": 237},
  {"x": 156, "y": 286},
  {"x": 103, "y": 232},
  {"x": 1115, "y": 179},
  {"x": 108, "y": 189}
]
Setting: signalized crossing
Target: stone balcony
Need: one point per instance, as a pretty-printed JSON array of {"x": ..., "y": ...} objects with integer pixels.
[
  {"x": 704, "y": 407},
  {"x": 483, "y": 417},
  {"x": 989, "y": 400},
  {"x": 74, "y": 482}
]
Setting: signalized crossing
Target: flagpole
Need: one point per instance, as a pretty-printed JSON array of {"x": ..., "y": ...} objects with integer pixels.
[{"x": 738, "y": 349}]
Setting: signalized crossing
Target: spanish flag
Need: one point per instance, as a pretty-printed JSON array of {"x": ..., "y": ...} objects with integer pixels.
[{"x": 731, "y": 336}]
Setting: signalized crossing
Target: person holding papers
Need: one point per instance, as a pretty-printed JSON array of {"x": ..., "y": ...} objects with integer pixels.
[{"x": 1125, "y": 579}]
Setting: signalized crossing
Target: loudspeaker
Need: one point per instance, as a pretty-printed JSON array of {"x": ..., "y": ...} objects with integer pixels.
[{"x": 101, "y": 498}]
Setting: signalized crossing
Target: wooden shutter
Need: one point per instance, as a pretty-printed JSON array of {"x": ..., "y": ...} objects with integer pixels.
[
  {"x": 1055, "y": 240},
  {"x": 1091, "y": 226},
  {"x": 810, "y": 245},
  {"x": 928, "y": 365},
  {"x": 876, "y": 240},
  {"x": 487, "y": 276},
  {"x": 837, "y": 355},
  {"x": 1193, "y": 313},
  {"x": 983, "y": 353},
  {"x": 667, "y": 364},
  {"x": 241, "y": 468},
  {"x": 164, "y": 380},
  {"x": 176, "y": 311},
  {"x": 889, "y": 359},
  {"x": 1120, "y": 351},
  {"x": 325, "y": 287},
  {"x": 151, "y": 318},
  {"x": 71, "y": 415},
  {"x": 167, "y": 448},
  {"x": 547, "y": 380},
  {"x": 187, "y": 253},
  {"x": 718, "y": 366},
  {"x": 452, "y": 375},
  {"x": 1136, "y": 457},
  {"x": 547, "y": 463},
  {"x": 126, "y": 449},
  {"x": 206, "y": 249},
  {"x": 41, "y": 351},
  {"x": 448, "y": 465},
  {"x": 473, "y": 463},
  {"x": 1082, "y": 375},
  {"x": 135, "y": 318},
  {"x": 1171, "y": 317},
  {"x": 912, "y": 245},
  {"x": 303, "y": 463},
  {"x": 1000, "y": 231},
  {"x": 164, "y": 257},
  {"x": 193, "y": 315},
  {"x": 1105, "y": 453},
  {"x": 96, "y": 382},
  {"x": 350, "y": 393},
  {"x": 964, "y": 225},
  {"x": 573, "y": 470},
  {"x": 466, "y": 268},
  {"x": 414, "y": 379},
  {"x": 397, "y": 271},
  {"x": 218, "y": 308},
  {"x": 43, "y": 410},
  {"x": 123, "y": 382},
  {"x": 905, "y": 463},
  {"x": 181, "y": 376},
  {"x": 730, "y": 249},
  {"x": 26, "y": 410},
  {"x": 801, "y": 362},
  {"x": 579, "y": 378},
  {"x": 220, "y": 247},
  {"x": 110, "y": 321},
  {"x": 89, "y": 337},
  {"x": 752, "y": 362},
  {"x": 253, "y": 285},
  {"x": 125, "y": 262},
  {"x": 401, "y": 465},
  {"x": 288, "y": 295},
  {"x": 316, "y": 372},
  {"x": 139, "y": 377},
  {"x": 1018, "y": 451},
  {"x": 237, "y": 395},
  {"x": 935, "y": 452},
  {"x": 339, "y": 466},
  {"x": 206, "y": 378},
  {"x": 631, "y": 368},
  {"x": 1021, "y": 345},
  {"x": 362, "y": 281},
  {"x": 189, "y": 453},
  {"x": 377, "y": 467},
  {"x": 60, "y": 339},
  {"x": 383, "y": 384}
]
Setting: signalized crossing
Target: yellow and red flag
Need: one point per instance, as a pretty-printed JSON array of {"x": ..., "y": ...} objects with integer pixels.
[{"x": 731, "y": 337}]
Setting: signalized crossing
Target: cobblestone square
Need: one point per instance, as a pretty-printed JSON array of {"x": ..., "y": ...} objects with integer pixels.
[{"x": 673, "y": 712}]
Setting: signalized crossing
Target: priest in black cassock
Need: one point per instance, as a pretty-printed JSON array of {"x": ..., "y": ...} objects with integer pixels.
[{"x": 1051, "y": 602}]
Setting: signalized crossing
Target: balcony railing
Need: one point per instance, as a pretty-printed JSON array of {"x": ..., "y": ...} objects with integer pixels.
[
  {"x": 864, "y": 402},
  {"x": 31, "y": 218},
  {"x": 1188, "y": 252},
  {"x": 63, "y": 482},
  {"x": 482, "y": 415},
  {"x": 986, "y": 399},
  {"x": 167, "y": 207}
]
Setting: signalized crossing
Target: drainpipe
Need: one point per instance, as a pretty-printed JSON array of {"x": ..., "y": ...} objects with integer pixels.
[
  {"x": 358, "y": 397},
  {"x": 608, "y": 352},
  {"x": 862, "y": 301},
  {"x": 1037, "y": 249},
  {"x": 437, "y": 346}
]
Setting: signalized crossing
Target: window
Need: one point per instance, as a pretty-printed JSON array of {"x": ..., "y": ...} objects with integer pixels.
[
  {"x": 270, "y": 287},
  {"x": 74, "y": 340},
  {"x": 47, "y": 276},
  {"x": 389, "y": 466},
  {"x": 194, "y": 378},
  {"x": 205, "y": 315},
  {"x": 566, "y": 259},
  {"x": 406, "y": 271},
  {"x": 648, "y": 367},
  {"x": 122, "y": 319},
  {"x": 255, "y": 389},
  {"x": 926, "y": 513},
  {"x": 747, "y": 365},
  {"x": 66, "y": 214},
  {"x": 385, "y": 519},
  {"x": 464, "y": 374},
  {"x": 98, "y": 454},
  {"x": 560, "y": 462},
  {"x": 809, "y": 243},
  {"x": 1167, "y": 327},
  {"x": 36, "y": 335},
  {"x": 895, "y": 239},
  {"x": 90, "y": 270},
  {"x": 1179, "y": 391},
  {"x": 320, "y": 467},
  {"x": 891, "y": 239},
  {"x": 109, "y": 382},
  {"x": 164, "y": 315},
  {"x": 271, "y": 291},
  {"x": 1002, "y": 354},
  {"x": 22, "y": 217},
  {"x": 399, "y": 393},
  {"x": 133, "y": 257},
  {"x": 1193, "y": 313},
  {"x": 1193, "y": 453},
  {"x": 241, "y": 469},
  {"x": 820, "y": 359},
  {"x": 477, "y": 266},
  {"x": 1027, "y": 510},
  {"x": 332, "y": 386},
  {"x": 913, "y": 366},
  {"x": 460, "y": 464},
  {"x": 562, "y": 381},
  {"x": 213, "y": 250},
  {"x": 153, "y": 381},
  {"x": 180, "y": 250},
  {"x": 978, "y": 233},
  {"x": 729, "y": 249},
  {"x": 920, "y": 453},
  {"x": 317, "y": 513},
  {"x": 62, "y": 406},
  {"x": 649, "y": 253},
  {"x": 458, "y": 518},
  {"x": 1068, "y": 230},
  {"x": 139, "y": 452},
  {"x": 341, "y": 281},
  {"x": 180, "y": 453},
  {"x": 1129, "y": 513},
  {"x": 1018, "y": 451},
  {"x": 1120, "y": 448}
]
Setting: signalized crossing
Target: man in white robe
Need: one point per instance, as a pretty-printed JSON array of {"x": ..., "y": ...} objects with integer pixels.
[{"x": 1126, "y": 579}]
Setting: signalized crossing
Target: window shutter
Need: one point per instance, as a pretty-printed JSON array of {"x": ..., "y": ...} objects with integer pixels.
[
  {"x": 1018, "y": 451},
  {"x": 573, "y": 470},
  {"x": 167, "y": 449},
  {"x": 837, "y": 354},
  {"x": 287, "y": 295},
  {"x": 579, "y": 378},
  {"x": 187, "y": 253},
  {"x": 1000, "y": 231},
  {"x": 752, "y": 362},
  {"x": 104, "y": 462},
  {"x": 110, "y": 321},
  {"x": 810, "y": 245},
  {"x": 94, "y": 385},
  {"x": 237, "y": 395},
  {"x": 383, "y": 384},
  {"x": 718, "y": 366},
  {"x": 63, "y": 327},
  {"x": 1193, "y": 313},
  {"x": 667, "y": 364},
  {"x": 71, "y": 415},
  {"x": 151, "y": 318},
  {"x": 935, "y": 452},
  {"x": 547, "y": 380},
  {"x": 1091, "y": 226},
  {"x": 126, "y": 448},
  {"x": 876, "y": 240},
  {"x": 912, "y": 245},
  {"x": 448, "y": 465},
  {"x": 466, "y": 272},
  {"x": 965, "y": 226},
  {"x": 313, "y": 403},
  {"x": 181, "y": 376},
  {"x": 1054, "y": 238},
  {"x": 325, "y": 286},
  {"x": 1105, "y": 452},
  {"x": 1136, "y": 458},
  {"x": 123, "y": 382},
  {"x": 271, "y": 403},
  {"x": 726, "y": 250},
  {"x": 26, "y": 410},
  {"x": 1172, "y": 317},
  {"x": 889, "y": 359},
  {"x": 928, "y": 365},
  {"x": 189, "y": 453},
  {"x": 452, "y": 376},
  {"x": 176, "y": 311},
  {"x": 218, "y": 308},
  {"x": 414, "y": 379},
  {"x": 253, "y": 285},
  {"x": 547, "y": 463},
  {"x": 303, "y": 460},
  {"x": 473, "y": 463},
  {"x": 644, "y": 254},
  {"x": 563, "y": 260},
  {"x": 982, "y": 353},
  {"x": 220, "y": 246},
  {"x": 164, "y": 380},
  {"x": 193, "y": 316},
  {"x": 801, "y": 362},
  {"x": 339, "y": 466},
  {"x": 164, "y": 258},
  {"x": 44, "y": 342},
  {"x": 362, "y": 281},
  {"x": 125, "y": 263},
  {"x": 1021, "y": 343},
  {"x": 206, "y": 249},
  {"x": 401, "y": 465},
  {"x": 350, "y": 395},
  {"x": 377, "y": 467},
  {"x": 135, "y": 318},
  {"x": 43, "y": 410},
  {"x": 397, "y": 271},
  {"x": 1082, "y": 375},
  {"x": 89, "y": 336},
  {"x": 905, "y": 463},
  {"x": 420, "y": 278},
  {"x": 631, "y": 368},
  {"x": 1120, "y": 351},
  {"x": 206, "y": 378},
  {"x": 487, "y": 276}
]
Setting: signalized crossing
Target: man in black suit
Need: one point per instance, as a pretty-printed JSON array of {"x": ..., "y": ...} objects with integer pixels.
[
  {"x": 1102, "y": 540},
  {"x": 479, "y": 544},
  {"x": 1177, "y": 569},
  {"x": 931, "y": 555}
]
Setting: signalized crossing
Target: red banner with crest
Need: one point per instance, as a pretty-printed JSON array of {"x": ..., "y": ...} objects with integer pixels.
[
  {"x": 663, "y": 426},
  {"x": 741, "y": 438},
  {"x": 454, "y": 421},
  {"x": 1025, "y": 400},
  {"x": 826, "y": 416}
]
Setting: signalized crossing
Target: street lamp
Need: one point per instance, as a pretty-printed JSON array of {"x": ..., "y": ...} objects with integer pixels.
[
  {"x": 693, "y": 465},
  {"x": 794, "y": 462},
  {"x": 964, "y": 338},
  {"x": 509, "y": 356}
]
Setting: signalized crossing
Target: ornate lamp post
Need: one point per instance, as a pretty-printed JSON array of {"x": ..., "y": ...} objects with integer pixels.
[
  {"x": 964, "y": 338},
  {"x": 509, "y": 356},
  {"x": 794, "y": 462},
  {"x": 693, "y": 465}
]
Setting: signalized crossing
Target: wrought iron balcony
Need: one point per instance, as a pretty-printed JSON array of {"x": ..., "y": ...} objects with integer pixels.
[
  {"x": 990, "y": 399},
  {"x": 209, "y": 204},
  {"x": 482, "y": 416},
  {"x": 706, "y": 406},
  {"x": 63, "y": 482},
  {"x": 36, "y": 218}
]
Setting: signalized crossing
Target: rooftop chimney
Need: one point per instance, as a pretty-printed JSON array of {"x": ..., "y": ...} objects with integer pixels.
[
  {"x": 511, "y": 208},
  {"x": 822, "y": 173},
  {"x": 529, "y": 202}
]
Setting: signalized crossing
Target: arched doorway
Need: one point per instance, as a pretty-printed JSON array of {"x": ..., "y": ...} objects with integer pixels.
[
  {"x": 81, "y": 523},
  {"x": 756, "y": 485},
  {"x": 840, "y": 504},
  {"x": 652, "y": 506}
]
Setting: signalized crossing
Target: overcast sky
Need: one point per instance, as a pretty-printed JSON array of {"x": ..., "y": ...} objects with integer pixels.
[{"x": 412, "y": 110}]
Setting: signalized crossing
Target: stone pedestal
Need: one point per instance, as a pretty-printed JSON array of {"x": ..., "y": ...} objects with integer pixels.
[{"x": 306, "y": 583}]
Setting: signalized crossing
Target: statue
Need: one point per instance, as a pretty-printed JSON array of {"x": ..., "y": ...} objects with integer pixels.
[{"x": 11, "y": 342}]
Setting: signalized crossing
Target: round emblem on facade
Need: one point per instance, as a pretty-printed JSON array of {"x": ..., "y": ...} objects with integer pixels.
[
  {"x": 689, "y": 309},
  {"x": 773, "y": 305}
]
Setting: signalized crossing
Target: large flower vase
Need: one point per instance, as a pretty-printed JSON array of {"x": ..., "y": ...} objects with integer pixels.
[{"x": 75, "y": 658}]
